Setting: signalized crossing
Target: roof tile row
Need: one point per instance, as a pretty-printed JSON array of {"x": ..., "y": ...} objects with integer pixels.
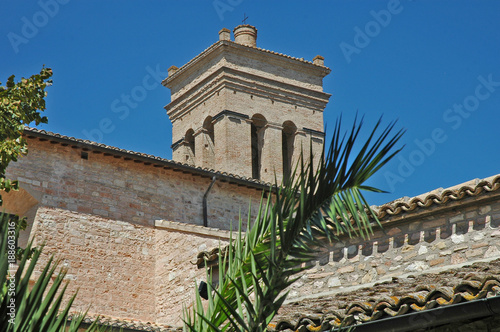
[
  {"x": 439, "y": 196},
  {"x": 390, "y": 299}
]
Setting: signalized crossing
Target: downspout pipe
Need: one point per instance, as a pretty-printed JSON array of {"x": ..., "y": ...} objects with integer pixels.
[
  {"x": 205, "y": 209},
  {"x": 460, "y": 312}
]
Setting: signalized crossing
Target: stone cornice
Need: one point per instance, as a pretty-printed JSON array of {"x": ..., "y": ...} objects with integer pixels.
[{"x": 249, "y": 84}]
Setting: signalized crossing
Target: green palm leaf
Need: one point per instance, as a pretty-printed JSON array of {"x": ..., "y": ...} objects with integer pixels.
[
  {"x": 37, "y": 309},
  {"x": 315, "y": 205}
]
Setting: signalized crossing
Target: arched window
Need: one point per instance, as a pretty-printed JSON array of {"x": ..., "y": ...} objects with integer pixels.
[
  {"x": 287, "y": 147},
  {"x": 190, "y": 149},
  {"x": 257, "y": 142}
]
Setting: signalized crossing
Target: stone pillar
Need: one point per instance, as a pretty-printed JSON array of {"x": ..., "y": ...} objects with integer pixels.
[
  {"x": 233, "y": 153},
  {"x": 272, "y": 156},
  {"x": 205, "y": 150},
  {"x": 317, "y": 147},
  {"x": 307, "y": 139},
  {"x": 301, "y": 146},
  {"x": 224, "y": 34}
]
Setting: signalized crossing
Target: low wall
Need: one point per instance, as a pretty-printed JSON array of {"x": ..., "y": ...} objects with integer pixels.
[{"x": 429, "y": 239}]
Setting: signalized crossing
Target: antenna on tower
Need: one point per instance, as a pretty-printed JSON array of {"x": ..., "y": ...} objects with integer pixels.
[{"x": 245, "y": 18}]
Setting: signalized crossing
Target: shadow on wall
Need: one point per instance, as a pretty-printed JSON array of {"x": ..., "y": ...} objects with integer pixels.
[{"x": 22, "y": 203}]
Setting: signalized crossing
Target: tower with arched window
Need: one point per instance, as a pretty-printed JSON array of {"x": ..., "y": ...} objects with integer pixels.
[{"x": 245, "y": 110}]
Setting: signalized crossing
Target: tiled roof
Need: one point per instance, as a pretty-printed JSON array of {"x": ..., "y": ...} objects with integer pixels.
[
  {"x": 209, "y": 257},
  {"x": 392, "y": 299},
  {"x": 146, "y": 158},
  {"x": 439, "y": 196}
]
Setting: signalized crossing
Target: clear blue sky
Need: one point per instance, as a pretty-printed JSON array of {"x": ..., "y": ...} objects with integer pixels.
[{"x": 434, "y": 65}]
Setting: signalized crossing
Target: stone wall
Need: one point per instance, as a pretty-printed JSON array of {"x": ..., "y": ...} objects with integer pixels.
[
  {"x": 111, "y": 262},
  {"x": 99, "y": 213},
  {"x": 176, "y": 275},
  {"x": 431, "y": 239},
  {"x": 124, "y": 270}
]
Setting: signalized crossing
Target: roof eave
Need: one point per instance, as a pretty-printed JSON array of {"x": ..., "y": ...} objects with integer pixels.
[
  {"x": 147, "y": 159},
  {"x": 460, "y": 312}
]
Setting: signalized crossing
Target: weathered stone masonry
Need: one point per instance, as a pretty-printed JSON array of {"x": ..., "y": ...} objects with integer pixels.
[
  {"x": 437, "y": 231},
  {"x": 98, "y": 209},
  {"x": 122, "y": 188},
  {"x": 246, "y": 110}
]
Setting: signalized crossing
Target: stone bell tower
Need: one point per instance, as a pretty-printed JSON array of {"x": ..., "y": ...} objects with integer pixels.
[{"x": 244, "y": 110}]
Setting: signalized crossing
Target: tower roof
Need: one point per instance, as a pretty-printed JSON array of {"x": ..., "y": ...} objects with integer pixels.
[{"x": 225, "y": 42}]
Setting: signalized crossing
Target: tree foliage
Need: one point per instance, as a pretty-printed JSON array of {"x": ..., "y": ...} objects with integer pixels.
[
  {"x": 25, "y": 307},
  {"x": 21, "y": 103},
  {"x": 313, "y": 207}
]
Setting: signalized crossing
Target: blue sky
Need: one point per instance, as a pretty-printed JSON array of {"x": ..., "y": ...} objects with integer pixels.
[{"x": 433, "y": 65}]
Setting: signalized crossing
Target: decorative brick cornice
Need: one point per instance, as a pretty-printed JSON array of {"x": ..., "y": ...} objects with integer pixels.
[
  {"x": 240, "y": 81},
  {"x": 230, "y": 44}
]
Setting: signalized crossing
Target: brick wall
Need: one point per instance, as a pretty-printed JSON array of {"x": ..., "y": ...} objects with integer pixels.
[
  {"x": 252, "y": 83},
  {"x": 125, "y": 190}
]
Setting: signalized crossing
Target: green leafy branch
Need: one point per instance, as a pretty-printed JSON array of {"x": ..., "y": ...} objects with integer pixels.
[{"x": 21, "y": 103}]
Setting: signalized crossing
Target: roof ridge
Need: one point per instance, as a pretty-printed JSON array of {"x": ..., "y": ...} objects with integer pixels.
[{"x": 439, "y": 196}]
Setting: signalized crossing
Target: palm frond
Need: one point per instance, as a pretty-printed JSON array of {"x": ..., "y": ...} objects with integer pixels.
[
  {"x": 38, "y": 308},
  {"x": 315, "y": 205}
]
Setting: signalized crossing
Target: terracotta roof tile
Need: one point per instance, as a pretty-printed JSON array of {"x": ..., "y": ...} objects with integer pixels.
[
  {"x": 439, "y": 196},
  {"x": 392, "y": 299}
]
